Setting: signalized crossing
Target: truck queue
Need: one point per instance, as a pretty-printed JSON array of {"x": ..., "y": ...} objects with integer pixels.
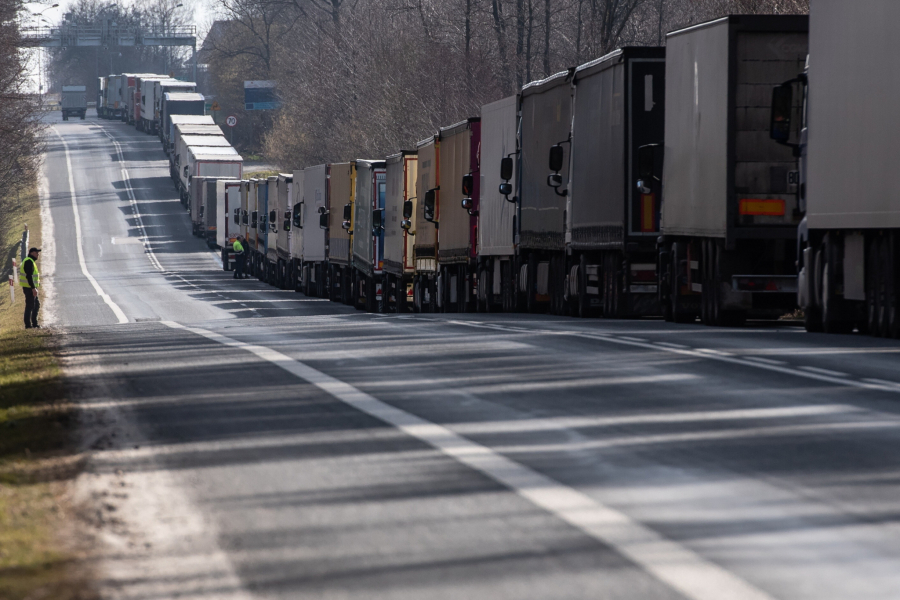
[{"x": 651, "y": 181}]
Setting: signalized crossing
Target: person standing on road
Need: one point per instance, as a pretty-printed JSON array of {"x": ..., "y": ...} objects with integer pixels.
[
  {"x": 239, "y": 257},
  {"x": 30, "y": 280}
]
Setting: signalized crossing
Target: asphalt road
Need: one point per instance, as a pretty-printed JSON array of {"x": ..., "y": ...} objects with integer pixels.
[{"x": 253, "y": 443}]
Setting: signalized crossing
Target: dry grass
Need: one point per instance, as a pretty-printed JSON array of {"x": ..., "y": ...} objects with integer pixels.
[{"x": 36, "y": 449}]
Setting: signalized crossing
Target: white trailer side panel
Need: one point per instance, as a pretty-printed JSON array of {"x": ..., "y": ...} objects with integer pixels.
[
  {"x": 315, "y": 190},
  {"x": 285, "y": 189},
  {"x": 499, "y": 123},
  {"x": 854, "y": 83},
  {"x": 295, "y": 205},
  {"x": 341, "y": 193},
  {"x": 695, "y": 178},
  {"x": 228, "y": 212}
]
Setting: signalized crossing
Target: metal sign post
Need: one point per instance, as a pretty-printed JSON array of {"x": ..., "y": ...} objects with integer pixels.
[{"x": 231, "y": 121}]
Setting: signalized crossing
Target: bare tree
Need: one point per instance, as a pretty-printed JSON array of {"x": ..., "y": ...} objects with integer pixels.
[{"x": 20, "y": 123}]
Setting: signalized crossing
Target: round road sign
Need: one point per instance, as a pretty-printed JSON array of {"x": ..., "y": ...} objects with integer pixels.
[{"x": 231, "y": 121}]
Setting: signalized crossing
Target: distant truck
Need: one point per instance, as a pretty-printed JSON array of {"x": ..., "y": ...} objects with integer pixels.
[
  {"x": 428, "y": 190},
  {"x": 74, "y": 101},
  {"x": 729, "y": 199},
  {"x": 309, "y": 218},
  {"x": 849, "y": 239},
  {"x": 456, "y": 214},
  {"x": 152, "y": 100},
  {"x": 611, "y": 226},
  {"x": 228, "y": 218},
  {"x": 173, "y": 104},
  {"x": 399, "y": 229},
  {"x": 496, "y": 212},
  {"x": 208, "y": 161},
  {"x": 340, "y": 220},
  {"x": 368, "y": 235}
]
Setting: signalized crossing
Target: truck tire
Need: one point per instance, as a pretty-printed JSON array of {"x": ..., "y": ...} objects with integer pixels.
[
  {"x": 873, "y": 284},
  {"x": 888, "y": 283},
  {"x": 583, "y": 302},
  {"x": 530, "y": 277},
  {"x": 833, "y": 319},
  {"x": 679, "y": 314},
  {"x": 371, "y": 302},
  {"x": 462, "y": 289}
]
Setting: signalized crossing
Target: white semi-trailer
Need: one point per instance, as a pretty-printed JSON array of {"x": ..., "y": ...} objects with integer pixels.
[
  {"x": 850, "y": 233},
  {"x": 497, "y": 211},
  {"x": 729, "y": 203},
  {"x": 74, "y": 101}
]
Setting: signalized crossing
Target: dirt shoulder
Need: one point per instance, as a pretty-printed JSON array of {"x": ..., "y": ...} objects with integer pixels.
[{"x": 40, "y": 547}]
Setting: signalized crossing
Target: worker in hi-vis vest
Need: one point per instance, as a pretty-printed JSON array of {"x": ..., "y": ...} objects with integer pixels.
[
  {"x": 239, "y": 258},
  {"x": 30, "y": 280}
]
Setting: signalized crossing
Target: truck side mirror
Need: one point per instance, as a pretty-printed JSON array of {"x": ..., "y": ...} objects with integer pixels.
[
  {"x": 244, "y": 217},
  {"x": 468, "y": 185},
  {"x": 286, "y": 224},
  {"x": 554, "y": 180},
  {"x": 557, "y": 154},
  {"x": 468, "y": 203},
  {"x": 298, "y": 212},
  {"x": 348, "y": 212},
  {"x": 408, "y": 209},
  {"x": 323, "y": 220},
  {"x": 506, "y": 189},
  {"x": 254, "y": 219},
  {"x": 405, "y": 224},
  {"x": 273, "y": 216},
  {"x": 782, "y": 105},
  {"x": 377, "y": 221},
  {"x": 237, "y": 216},
  {"x": 185, "y": 170},
  {"x": 506, "y": 169},
  {"x": 428, "y": 206}
]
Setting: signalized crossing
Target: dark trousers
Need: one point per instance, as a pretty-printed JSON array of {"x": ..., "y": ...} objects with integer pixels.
[
  {"x": 239, "y": 259},
  {"x": 32, "y": 306}
]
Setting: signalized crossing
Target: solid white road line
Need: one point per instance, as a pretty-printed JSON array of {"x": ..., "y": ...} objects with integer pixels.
[
  {"x": 679, "y": 567},
  {"x": 79, "y": 241},
  {"x": 148, "y": 249},
  {"x": 825, "y": 371},
  {"x": 813, "y": 373}
]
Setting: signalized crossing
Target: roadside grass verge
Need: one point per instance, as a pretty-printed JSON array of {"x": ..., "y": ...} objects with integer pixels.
[{"x": 36, "y": 439}]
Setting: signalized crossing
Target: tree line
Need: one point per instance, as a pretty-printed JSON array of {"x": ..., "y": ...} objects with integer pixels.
[
  {"x": 20, "y": 117},
  {"x": 364, "y": 78}
]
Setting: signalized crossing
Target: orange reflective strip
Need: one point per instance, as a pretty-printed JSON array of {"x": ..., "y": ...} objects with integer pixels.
[
  {"x": 773, "y": 208},
  {"x": 648, "y": 212}
]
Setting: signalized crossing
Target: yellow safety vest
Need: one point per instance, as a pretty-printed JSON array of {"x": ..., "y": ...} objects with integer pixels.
[
  {"x": 238, "y": 247},
  {"x": 23, "y": 278}
]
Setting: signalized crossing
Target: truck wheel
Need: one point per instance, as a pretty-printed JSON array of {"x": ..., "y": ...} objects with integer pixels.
[
  {"x": 530, "y": 277},
  {"x": 580, "y": 275},
  {"x": 893, "y": 287},
  {"x": 679, "y": 315},
  {"x": 873, "y": 287},
  {"x": 462, "y": 289},
  {"x": 832, "y": 319},
  {"x": 371, "y": 301},
  {"x": 705, "y": 296},
  {"x": 554, "y": 287}
]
